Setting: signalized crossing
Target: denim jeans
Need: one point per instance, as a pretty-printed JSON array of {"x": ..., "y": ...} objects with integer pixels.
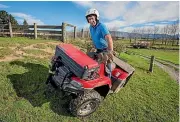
[{"x": 108, "y": 65}]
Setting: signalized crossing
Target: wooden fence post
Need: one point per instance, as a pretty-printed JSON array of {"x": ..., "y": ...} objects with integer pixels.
[
  {"x": 10, "y": 30},
  {"x": 82, "y": 33},
  {"x": 151, "y": 64},
  {"x": 63, "y": 32},
  {"x": 74, "y": 32},
  {"x": 35, "y": 31}
]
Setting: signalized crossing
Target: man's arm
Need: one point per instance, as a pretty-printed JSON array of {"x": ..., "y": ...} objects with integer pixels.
[
  {"x": 110, "y": 42},
  {"x": 107, "y": 36},
  {"x": 110, "y": 46}
]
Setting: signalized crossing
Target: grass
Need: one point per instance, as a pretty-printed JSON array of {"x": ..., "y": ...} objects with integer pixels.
[
  {"x": 147, "y": 97},
  {"x": 20, "y": 40},
  {"x": 166, "y": 46},
  {"x": 157, "y": 45},
  {"x": 167, "y": 55},
  {"x": 40, "y": 46},
  {"x": 51, "y": 46},
  {"x": 36, "y": 52},
  {"x": 5, "y": 52}
]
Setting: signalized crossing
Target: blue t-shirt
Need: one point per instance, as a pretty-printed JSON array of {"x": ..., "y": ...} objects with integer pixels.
[{"x": 98, "y": 35}]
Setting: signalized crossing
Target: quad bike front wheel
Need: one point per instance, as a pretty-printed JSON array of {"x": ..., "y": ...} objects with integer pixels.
[{"x": 85, "y": 104}]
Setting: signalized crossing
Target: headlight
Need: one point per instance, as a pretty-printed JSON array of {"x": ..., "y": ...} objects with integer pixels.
[
  {"x": 50, "y": 69},
  {"x": 76, "y": 84},
  {"x": 73, "y": 87}
]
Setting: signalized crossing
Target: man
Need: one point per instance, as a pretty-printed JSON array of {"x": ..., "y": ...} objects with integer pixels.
[{"x": 100, "y": 36}]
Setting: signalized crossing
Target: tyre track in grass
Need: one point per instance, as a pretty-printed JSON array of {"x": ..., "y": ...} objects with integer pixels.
[{"x": 170, "y": 68}]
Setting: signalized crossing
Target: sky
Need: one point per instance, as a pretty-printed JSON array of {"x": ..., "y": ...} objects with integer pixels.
[{"x": 118, "y": 15}]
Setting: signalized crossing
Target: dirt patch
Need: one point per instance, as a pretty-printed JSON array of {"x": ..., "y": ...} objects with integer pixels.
[
  {"x": 54, "y": 43},
  {"x": 29, "y": 47},
  {"x": 13, "y": 48},
  {"x": 32, "y": 46},
  {"x": 174, "y": 74},
  {"x": 35, "y": 56},
  {"x": 48, "y": 50},
  {"x": 19, "y": 53},
  {"x": 171, "y": 71},
  {"x": 10, "y": 58}
]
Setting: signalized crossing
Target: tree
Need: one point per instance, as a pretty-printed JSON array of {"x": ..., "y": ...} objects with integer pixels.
[
  {"x": 135, "y": 33},
  {"x": 13, "y": 20},
  {"x": 162, "y": 35},
  {"x": 148, "y": 31},
  {"x": 155, "y": 30},
  {"x": 5, "y": 18},
  {"x": 25, "y": 24},
  {"x": 141, "y": 31},
  {"x": 130, "y": 34},
  {"x": 168, "y": 36},
  {"x": 25, "y": 27},
  {"x": 166, "y": 31},
  {"x": 177, "y": 32},
  {"x": 174, "y": 30}
]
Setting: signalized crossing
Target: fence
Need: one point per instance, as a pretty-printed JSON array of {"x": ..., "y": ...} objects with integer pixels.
[
  {"x": 81, "y": 33},
  {"x": 48, "y": 31},
  {"x": 36, "y": 31}
]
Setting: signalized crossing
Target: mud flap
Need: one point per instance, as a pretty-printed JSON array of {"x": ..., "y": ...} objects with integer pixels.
[{"x": 117, "y": 84}]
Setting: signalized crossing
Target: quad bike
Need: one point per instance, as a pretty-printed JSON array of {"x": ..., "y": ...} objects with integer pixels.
[{"x": 84, "y": 77}]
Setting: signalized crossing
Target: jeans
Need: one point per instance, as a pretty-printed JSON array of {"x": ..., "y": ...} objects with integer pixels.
[
  {"x": 108, "y": 64},
  {"x": 110, "y": 69}
]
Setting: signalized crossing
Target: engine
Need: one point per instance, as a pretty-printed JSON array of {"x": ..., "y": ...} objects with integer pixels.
[
  {"x": 70, "y": 61},
  {"x": 77, "y": 61}
]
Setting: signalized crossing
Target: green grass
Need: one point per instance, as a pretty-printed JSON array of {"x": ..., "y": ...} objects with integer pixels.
[
  {"x": 51, "y": 46},
  {"x": 20, "y": 40},
  {"x": 40, "y": 46},
  {"x": 36, "y": 52},
  {"x": 158, "y": 44},
  {"x": 168, "y": 55},
  {"x": 166, "y": 46},
  {"x": 147, "y": 97},
  {"x": 5, "y": 52}
]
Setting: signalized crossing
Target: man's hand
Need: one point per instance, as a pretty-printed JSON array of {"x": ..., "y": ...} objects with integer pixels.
[
  {"x": 115, "y": 53},
  {"x": 110, "y": 55},
  {"x": 93, "y": 50}
]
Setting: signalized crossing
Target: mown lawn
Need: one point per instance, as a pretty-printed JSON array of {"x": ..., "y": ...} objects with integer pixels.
[
  {"x": 166, "y": 46},
  {"x": 4, "y": 42},
  {"x": 167, "y": 55},
  {"x": 147, "y": 97}
]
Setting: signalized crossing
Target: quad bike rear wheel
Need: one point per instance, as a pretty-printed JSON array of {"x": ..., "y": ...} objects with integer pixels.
[{"x": 85, "y": 104}]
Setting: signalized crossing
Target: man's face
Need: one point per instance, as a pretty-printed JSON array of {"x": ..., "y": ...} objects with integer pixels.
[{"x": 92, "y": 20}]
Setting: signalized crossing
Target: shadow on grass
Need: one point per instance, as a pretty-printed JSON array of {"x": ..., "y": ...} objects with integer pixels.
[{"x": 31, "y": 86}]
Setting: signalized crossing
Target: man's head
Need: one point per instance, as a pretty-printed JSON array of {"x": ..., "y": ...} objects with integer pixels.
[{"x": 92, "y": 16}]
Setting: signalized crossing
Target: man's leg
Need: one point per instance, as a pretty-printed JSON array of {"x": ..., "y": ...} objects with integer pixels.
[
  {"x": 108, "y": 64},
  {"x": 110, "y": 68}
]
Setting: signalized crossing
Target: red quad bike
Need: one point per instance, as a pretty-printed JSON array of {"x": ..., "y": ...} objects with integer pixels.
[{"x": 84, "y": 77}]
